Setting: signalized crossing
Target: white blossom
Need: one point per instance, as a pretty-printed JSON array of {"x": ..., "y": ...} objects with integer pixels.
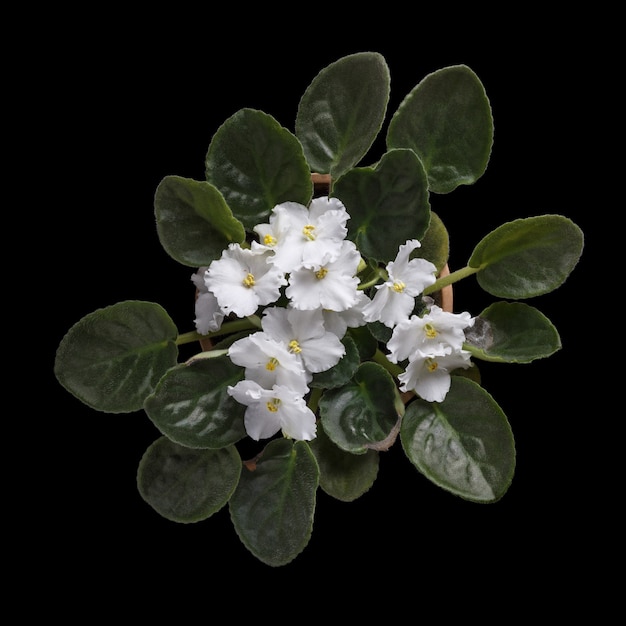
[
  {"x": 271, "y": 410},
  {"x": 242, "y": 280},
  {"x": 395, "y": 298},
  {"x": 209, "y": 316}
]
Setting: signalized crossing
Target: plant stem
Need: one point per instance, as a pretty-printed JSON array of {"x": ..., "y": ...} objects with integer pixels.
[
  {"x": 314, "y": 399},
  {"x": 393, "y": 368},
  {"x": 235, "y": 326},
  {"x": 451, "y": 278}
]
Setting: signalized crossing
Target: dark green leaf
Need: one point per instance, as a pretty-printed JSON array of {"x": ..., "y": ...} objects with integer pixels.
[
  {"x": 342, "y": 112},
  {"x": 365, "y": 342},
  {"x": 191, "y": 405},
  {"x": 446, "y": 119},
  {"x": 362, "y": 413},
  {"x": 387, "y": 204},
  {"x": 194, "y": 223},
  {"x": 186, "y": 485},
  {"x": 273, "y": 506},
  {"x": 257, "y": 164},
  {"x": 463, "y": 444},
  {"x": 340, "y": 373},
  {"x": 512, "y": 332},
  {"x": 527, "y": 257},
  {"x": 435, "y": 243},
  {"x": 343, "y": 475},
  {"x": 113, "y": 358}
]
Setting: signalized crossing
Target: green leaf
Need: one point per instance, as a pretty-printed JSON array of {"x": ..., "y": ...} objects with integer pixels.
[
  {"x": 343, "y": 475},
  {"x": 435, "y": 243},
  {"x": 191, "y": 405},
  {"x": 512, "y": 332},
  {"x": 186, "y": 485},
  {"x": 113, "y": 358},
  {"x": 340, "y": 373},
  {"x": 342, "y": 112},
  {"x": 194, "y": 223},
  {"x": 463, "y": 444},
  {"x": 365, "y": 342},
  {"x": 362, "y": 413},
  {"x": 387, "y": 204},
  {"x": 273, "y": 506},
  {"x": 446, "y": 119},
  {"x": 527, "y": 257},
  {"x": 257, "y": 164}
]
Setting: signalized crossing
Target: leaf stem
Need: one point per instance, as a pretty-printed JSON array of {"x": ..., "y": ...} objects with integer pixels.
[
  {"x": 235, "y": 326},
  {"x": 451, "y": 278},
  {"x": 393, "y": 368}
]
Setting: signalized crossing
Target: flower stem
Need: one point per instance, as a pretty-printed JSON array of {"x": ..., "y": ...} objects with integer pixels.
[
  {"x": 451, "y": 278},
  {"x": 316, "y": 394}
]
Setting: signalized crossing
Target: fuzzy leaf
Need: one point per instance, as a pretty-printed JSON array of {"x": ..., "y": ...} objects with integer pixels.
[
  {"x": 512, "y": 332},
  {"x": 257, "y": 164},
  {"x": 446, "y": 119},
  {"x": 273, "y": 506},
  {"x": 527, "y": 257},
  {"x": 113, "y": 358},
  {"x": 194, "y": 223},
  {"x": 463, "y": 444},
  {"x": 387, "y": 204},
  {"x": 363, "y": 412},
  {"x": 342, "y": 112},
  {"x": 343, "y": 475},
  {"x": 187, "y": 485},
  {"x": 191, "y": 406}
]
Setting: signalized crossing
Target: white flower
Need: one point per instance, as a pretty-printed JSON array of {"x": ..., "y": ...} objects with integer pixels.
[
  {"x": 428, "y": 374},
  {"x": 209, "y": 316},
  {"x": 395, "y": 298},
  {"x": 331, "y": 285},
  {"x": 338, "y": 322},
  {"x": 427, "y": 332},
  {"x": 310, "y": 236},
  {"x": 269, "y": 362},
  {"x": 271, "y": 410},
  {"x": 304, "y": 335},
  {"x": 242, "y": 280}
]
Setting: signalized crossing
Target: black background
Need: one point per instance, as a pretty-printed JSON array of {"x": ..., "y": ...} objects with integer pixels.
[{"x": 123, "y": 104}]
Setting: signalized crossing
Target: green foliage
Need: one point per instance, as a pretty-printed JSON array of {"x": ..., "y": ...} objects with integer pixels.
[
  {"x": 447, "y": 121},
  {"x": 113, "y": 358},
  {"x": 194, "y": 223},
  {"x": 184, "y": 484},
  {"x": 124, "y": 357},
  {"x": 463, "y": 444}
]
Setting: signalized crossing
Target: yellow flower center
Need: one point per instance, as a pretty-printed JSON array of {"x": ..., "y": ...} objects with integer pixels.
[
  {"x": 271, "y": 364},
  {"x": 268, "y": 240},
  {"x": 307, "y": 231},
  {"x": 248, "y": 281},
  {"x": 398, "y": 286},
  {"x": 294, "y": 347},
  {"x": 321, "y": 273},
  {"x": 430, "y": 331},
  {"x": 272, "y": 405},
  {"x": 431, "y": 365}
]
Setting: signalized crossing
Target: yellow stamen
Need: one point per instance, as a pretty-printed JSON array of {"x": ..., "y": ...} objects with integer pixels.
[
  {"x": 431, "y": 365},
  {"x": 272, "y": 405},
  {"x": 430, "y": 331},
  {"x": 321, "y": 273},
  {"x": 271, "y": 364},
  {"x": 398, "y": 286},
  {"x": 307, "y": 231},
  {"x": 248, "y": 281},
  {"x": 268, "y": 240},
  {"x": 294, "y": 347}
]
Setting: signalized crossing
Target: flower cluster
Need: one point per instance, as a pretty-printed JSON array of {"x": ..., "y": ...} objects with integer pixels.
[{"x": 302, "y": 274}]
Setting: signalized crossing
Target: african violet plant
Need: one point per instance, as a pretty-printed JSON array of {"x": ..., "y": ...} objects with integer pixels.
[{"x": 321, "y": 335}]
